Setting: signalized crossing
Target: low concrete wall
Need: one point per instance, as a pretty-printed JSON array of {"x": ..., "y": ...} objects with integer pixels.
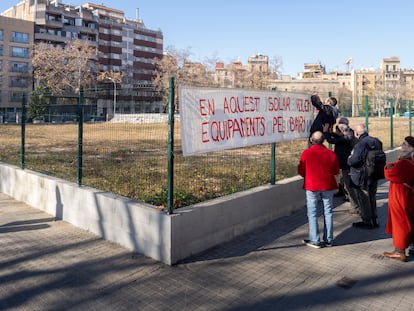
[
  {"x": 204, "y": 225},
  {"x": 145, "y": 229}
]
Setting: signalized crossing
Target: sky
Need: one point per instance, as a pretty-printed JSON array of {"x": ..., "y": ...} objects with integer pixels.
[{"x": 295, "y": 31}]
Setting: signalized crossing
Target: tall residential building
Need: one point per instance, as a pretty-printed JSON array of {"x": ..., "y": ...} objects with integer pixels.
[
  {"x": 16, "y": 40},
  {"x": 124, "y": 45}
]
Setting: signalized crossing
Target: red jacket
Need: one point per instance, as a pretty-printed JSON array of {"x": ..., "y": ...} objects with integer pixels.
[
  {"x": 400, "y": 222},
  {"x": 318, "y": 165}
]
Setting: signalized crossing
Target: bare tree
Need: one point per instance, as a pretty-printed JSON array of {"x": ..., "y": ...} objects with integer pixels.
[
  {"x": 177, "y": 64},
  {"x": 61, "y": 69},
  {"x": 276, "y": 64},
  {"x": 395, "y": 90},
  {"x": 210, "y": 62}
]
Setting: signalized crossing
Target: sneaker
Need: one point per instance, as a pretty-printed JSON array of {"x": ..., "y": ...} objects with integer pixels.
[
  {"x": 311, "y": 244},
  {"x": 328, "y": 244}
]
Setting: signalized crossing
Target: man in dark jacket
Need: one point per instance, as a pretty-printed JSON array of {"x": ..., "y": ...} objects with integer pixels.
[
  {"x": 327, "y": 113},
  {"x": 366, "y": 187},
  {"x": 344, "y": 140}
]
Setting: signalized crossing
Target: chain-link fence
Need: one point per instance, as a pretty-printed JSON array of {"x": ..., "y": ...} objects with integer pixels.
[{"x": 126, "y": 152}]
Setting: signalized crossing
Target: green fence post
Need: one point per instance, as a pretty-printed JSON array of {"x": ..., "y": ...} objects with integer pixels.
[
  {"x": 366, "y": 112},
  {"x": 391, "y": 124},
  {"x": 273, "y": 158},
  {"x": 80, "y": 135},
  {"x": 410, "y": 103},
  {"x": 170, "y": 190},
  {"x": 22, "y": 146}
]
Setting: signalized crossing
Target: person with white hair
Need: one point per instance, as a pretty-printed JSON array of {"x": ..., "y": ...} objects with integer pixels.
[{"x": 364, "y": 185}]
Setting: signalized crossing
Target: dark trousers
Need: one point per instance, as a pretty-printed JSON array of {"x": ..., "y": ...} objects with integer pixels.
[
  {"x": 350, "y": 191},
  {"x": 367, "y": 202}
]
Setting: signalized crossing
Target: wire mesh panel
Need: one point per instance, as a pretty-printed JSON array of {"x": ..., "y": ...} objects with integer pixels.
[
  {"x": 129, "y": 159},
  {"x": 126, "y": 152}
]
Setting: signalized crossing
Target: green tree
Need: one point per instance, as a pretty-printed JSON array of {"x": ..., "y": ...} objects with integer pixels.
[{"x": 38, "y": 103}]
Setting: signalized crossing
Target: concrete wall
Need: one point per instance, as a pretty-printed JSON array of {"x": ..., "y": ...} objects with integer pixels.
[{"x": 145, "y": 229}]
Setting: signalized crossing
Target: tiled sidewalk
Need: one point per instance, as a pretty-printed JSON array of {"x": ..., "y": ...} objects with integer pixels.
[{"x": 51, "y": 265}]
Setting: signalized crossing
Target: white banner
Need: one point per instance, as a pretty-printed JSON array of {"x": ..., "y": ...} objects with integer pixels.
[{"x": 218, "y": 119}]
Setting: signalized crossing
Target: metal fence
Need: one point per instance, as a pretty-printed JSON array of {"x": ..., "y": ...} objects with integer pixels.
[{"x": 129, "y": 153}]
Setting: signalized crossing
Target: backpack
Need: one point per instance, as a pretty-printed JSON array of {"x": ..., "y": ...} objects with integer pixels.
[{"x": 375, "y": 160}]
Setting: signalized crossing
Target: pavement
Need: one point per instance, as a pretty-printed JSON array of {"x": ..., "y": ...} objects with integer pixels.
[{"x": 52, "y": 265}]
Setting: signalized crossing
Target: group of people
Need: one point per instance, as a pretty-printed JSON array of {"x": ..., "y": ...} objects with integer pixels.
[{"x": 323, "y": 169}]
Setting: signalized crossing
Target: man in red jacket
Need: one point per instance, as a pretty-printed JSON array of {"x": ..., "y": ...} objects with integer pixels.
[{"x": 319, "y": 166}]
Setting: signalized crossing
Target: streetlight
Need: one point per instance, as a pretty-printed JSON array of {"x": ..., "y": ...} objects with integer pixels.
[{"x": 111, "y": 79}]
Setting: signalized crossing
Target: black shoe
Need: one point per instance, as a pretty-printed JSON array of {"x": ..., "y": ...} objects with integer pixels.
[
  {"x": 328, "y": 244},
  {"x": 363, "y": 225}
]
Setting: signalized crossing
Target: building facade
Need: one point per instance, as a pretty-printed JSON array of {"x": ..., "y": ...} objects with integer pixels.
[
  {"x": 124, "y": 45},
  {"x": 16, "y": 40}
]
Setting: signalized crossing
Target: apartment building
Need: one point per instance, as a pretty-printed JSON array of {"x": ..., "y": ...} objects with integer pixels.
[
  {"x": 124, "y": 45},
  {"x": 16, "y": 40}
]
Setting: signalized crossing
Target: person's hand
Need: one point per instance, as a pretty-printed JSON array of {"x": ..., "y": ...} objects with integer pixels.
[
  {"x": 325, "y": 127},
  {"x": 315, "y": 98}
]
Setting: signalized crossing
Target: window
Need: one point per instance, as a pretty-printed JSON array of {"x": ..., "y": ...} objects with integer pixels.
[
  {"x": 20, "y": 37},
  {"x": 19, "y": 67},
  {"x": 116, "y": 32},
  {"x": 1, "y": 50},
  {"x": 18, "y": 82},
  {"x": 20, "y": 52},
  {"x": 1, "y": 34},
  {"x": 16, "y": 97},
  {"x": 69, "y": 21}
]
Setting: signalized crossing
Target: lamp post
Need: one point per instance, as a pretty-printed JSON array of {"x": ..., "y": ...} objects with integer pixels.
[{"x": 114, "y": 82}]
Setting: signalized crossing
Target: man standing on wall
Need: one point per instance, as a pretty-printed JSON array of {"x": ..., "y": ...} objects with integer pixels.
[
  {"x": 319, "y": 166},
  {"x": 327, "y": 113}
]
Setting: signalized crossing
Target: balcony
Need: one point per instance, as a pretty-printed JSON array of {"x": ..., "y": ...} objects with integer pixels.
[{"x": 54, "y": 23}]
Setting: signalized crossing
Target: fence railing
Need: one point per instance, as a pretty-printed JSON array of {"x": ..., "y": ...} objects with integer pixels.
[{"x": 131, "y": 154}]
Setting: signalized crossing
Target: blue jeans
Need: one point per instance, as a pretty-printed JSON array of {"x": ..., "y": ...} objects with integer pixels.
[{"x": 312, "y": 198}]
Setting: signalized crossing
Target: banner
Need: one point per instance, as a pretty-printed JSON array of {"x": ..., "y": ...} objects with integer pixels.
[{"x": 218, "y": 119}]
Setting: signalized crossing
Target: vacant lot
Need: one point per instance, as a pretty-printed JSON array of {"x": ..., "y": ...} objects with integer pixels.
[{"x": 131, "y": 159}]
